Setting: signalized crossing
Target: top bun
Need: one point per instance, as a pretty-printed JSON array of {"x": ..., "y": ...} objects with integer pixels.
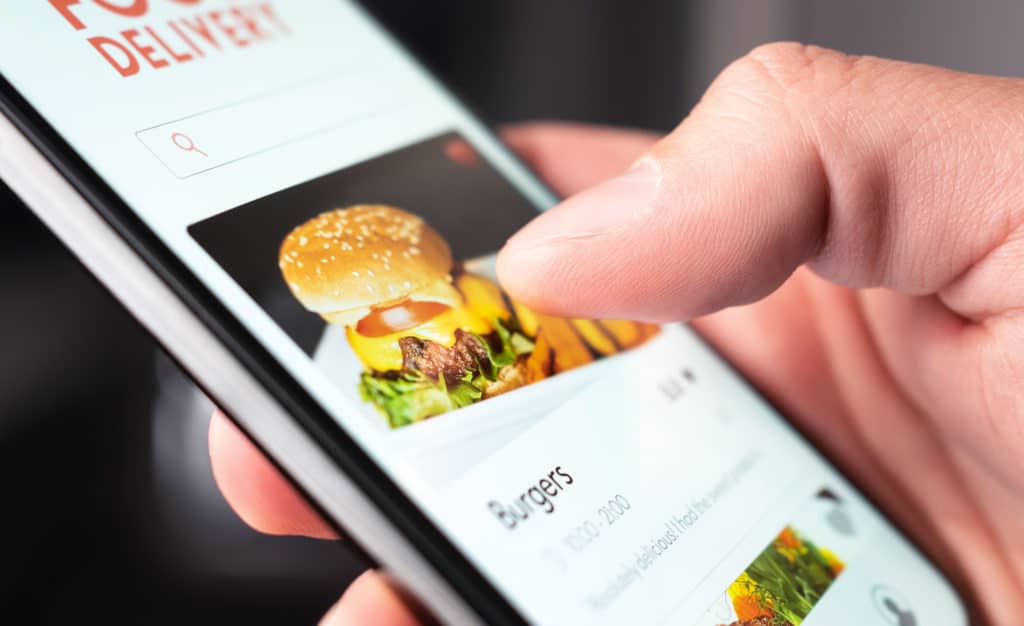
[{"x": 342, "y": 262}]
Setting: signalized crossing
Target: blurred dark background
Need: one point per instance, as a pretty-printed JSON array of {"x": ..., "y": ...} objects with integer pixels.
[{"x": 109, "y": 509}]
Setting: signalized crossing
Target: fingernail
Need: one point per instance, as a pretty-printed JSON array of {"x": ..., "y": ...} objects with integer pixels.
[{"x": 608, "y": 208}]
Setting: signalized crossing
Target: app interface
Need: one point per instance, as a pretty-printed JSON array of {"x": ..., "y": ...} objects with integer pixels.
[{"x": 347, "y": 210}]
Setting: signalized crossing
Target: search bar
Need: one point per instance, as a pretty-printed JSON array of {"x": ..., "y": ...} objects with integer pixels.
[{"x": 204, "y": 141}]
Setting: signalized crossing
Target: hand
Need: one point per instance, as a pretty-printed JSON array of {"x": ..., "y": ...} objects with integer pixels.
[{"x": 873, "y": 213}]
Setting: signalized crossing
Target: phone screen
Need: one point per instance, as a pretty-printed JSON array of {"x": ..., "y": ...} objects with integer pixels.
[{"x": 347, "y": 210}]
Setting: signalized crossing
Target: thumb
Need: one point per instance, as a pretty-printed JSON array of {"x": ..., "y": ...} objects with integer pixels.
[{"x": 875, "y": 172}]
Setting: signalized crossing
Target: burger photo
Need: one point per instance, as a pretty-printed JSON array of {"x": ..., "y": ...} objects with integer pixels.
[{"x": 431, "y": 336}]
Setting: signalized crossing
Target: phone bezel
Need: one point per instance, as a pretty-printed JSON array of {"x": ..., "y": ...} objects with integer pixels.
[{"x": 472, "y": 585}]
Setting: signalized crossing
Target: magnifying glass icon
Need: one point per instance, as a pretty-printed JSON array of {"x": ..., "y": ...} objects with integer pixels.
[{"x": 184, "y": 142}]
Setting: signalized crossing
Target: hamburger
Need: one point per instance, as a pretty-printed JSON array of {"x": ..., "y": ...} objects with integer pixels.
[{"x": 428, "y": 343}]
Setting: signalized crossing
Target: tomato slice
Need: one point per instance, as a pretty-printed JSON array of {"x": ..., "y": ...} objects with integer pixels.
[{"x": 399, "y": 317}]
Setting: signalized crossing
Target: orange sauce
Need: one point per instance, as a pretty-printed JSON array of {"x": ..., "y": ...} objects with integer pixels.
[{"x": 399, "y": 317}]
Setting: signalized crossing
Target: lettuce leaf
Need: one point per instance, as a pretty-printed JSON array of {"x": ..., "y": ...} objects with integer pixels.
[{"x": 411, "y": 396}]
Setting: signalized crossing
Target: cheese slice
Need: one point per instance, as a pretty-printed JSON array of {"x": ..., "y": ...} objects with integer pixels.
[{"x": 384, "y": 354}]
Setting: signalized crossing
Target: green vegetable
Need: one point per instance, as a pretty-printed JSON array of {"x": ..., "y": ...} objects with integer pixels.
[
  {"x": 411, "y": 396},
  {"x": 790, "y": 583},
  {"x": 513, "y": 344}
]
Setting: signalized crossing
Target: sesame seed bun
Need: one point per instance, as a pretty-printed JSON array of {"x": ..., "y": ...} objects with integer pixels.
[{"x": 342, "y": 262}]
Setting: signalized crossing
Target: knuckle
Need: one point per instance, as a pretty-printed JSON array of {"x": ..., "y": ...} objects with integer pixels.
[
  {"x": 793, "y": 66},
  {"x": 788, "y": 63},
  {"x": 792, "y": 73}
]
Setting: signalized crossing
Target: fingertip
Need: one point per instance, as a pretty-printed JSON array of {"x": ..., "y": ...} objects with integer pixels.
[
  {"x": 370, "y": 599},
  {"x": 532, "y": 276},
  {"x": 255, "y": 489},
  {"x": 589, "y": 256}
]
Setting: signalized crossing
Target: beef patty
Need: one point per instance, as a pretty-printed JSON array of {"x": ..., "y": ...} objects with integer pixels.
[{"x": 435, "y": 360}]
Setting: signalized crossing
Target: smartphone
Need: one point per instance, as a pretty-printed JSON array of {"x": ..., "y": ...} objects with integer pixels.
[{"x": 307, "y": 220}]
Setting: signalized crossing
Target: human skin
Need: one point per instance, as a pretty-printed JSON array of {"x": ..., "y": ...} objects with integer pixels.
[{"x": 848, "y": 231}]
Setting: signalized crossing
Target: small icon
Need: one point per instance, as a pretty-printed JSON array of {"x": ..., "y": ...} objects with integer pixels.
[
  {"x": 838, "y": 518},
  {"x": 893, "y": 606},
  {"x": 184, "y": 142}
]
